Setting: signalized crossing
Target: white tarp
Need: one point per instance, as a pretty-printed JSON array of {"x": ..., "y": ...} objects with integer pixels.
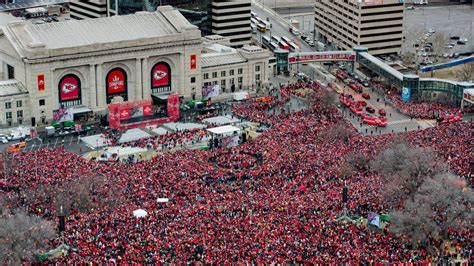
[
  {"x": 160, "y": 131},
  {"x": 183, "y": 126},
  {"x": 240, "y": 96},
  {"x": 95, "y": 141},
  {"x": 220, "y": 120},
  {"x": 210, "y": 91},
  {"x": 125, "y": 151},
  {"x": 133, "y": 135}
]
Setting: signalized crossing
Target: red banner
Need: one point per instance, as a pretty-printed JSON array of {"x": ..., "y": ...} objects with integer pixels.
[
  {"x": 173, "y": 105},
  {"x": 116, "y": 81},
  {"x": 160, "y": 75},
  {"x": 147, "y": 109},
  {"x": 321, "y": 57},
  {"x": 114, "y": 115},
  {"x": 69, "y": 88},
  {"x": 41, "y": 82},
  {"x": 193, "y": 61}
]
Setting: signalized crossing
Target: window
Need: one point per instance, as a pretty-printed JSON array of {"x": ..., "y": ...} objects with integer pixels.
[
  {"x": 19, "y": 113},
  {"x": 257, "y": 77},
  {"x": 11, "y": 72},
  {"x": 232, "y": 81},
  {"x": 257, "y": 68},
  {"x": 42, "y": 102},
  {"x": 193, "y": 79},
  {"x": 240, "y": 80},
  {"x": 231, "y": 72},
  {"x": 214, "y": 75},
  {"x": 19, "y": 103},
  {"x": 206, "y": 84},
  {"x": 206, "y": 76},
  {"x": 8, "y": 105},
  {"x": 222, "y": 73},
  {"x": 223, "y": 82},
  {"x": 8, "y": 115},
  {"x": 240, "y": 71},
  {"x": 214, "y": 82}
]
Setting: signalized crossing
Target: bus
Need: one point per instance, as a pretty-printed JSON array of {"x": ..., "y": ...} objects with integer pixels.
[
  {"x": 285, "y": 39},
  {"x": 253, "y": 14},
  {"x": 266, "y": 23},
  {"x": 293, "y": 47},
  {"x": 284, "y": 45},
  {"x": 274, "y": 46},
  {"x": 275, "y": 39},
  {"x": 261, "y": 27},
  {"x": 266, "y": 41},
  {"x": 253, "y": 21}
]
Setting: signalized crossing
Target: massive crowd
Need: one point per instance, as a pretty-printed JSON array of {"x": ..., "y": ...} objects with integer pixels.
[
  {"x": 281, "y": 209},
  {"x": 415, "y": 109}
]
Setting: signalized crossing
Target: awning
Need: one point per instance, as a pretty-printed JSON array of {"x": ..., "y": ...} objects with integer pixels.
[
  {"x": 161, "y": 96},
  {"x": 80, "y": 110},
  {"x": 223, "y": 130}
]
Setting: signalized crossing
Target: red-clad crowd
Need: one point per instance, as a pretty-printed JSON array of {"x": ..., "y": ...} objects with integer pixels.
[
  {"x": 273, "y": 199},
  {"x": 423, "y": 110}
]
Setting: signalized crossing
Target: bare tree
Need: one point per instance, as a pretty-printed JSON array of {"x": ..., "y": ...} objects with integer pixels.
[
  {"x": 339, "y": 131},
  {"x": 450, "y": 199},
  {"x": 404, "y": 169},
  {"x": 357, "y": 160},
  {"x": 465, "y": 72},
  {"x": 409, "y": 58},
  {"x": 413, "y": 221},
  {"x": 440, "y": 40},
  {"x": 22, "y": 236}
]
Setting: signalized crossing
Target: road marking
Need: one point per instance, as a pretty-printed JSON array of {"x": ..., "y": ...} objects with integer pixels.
[{"x": 399, "y": 121}]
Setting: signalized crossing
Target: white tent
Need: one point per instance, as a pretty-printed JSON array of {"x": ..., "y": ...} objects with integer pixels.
[
  {"x": 224, "y": 130},
  {"x": 162, "y": 200},
  {"x": 140, "y": 213}
]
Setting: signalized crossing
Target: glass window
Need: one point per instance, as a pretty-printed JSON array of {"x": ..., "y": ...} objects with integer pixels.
[
  {"x": 240, "y": 71},
  {"x": 257, "y": 77},
  {"x": 240, "y": 80},
  {"x": 257, "y": 68},
  {"x": 8, "y": 115},
  {"x": 206, "y": 76},
  {"x": 223, "y": 82},
  {"x": 19, "y": 113},
  {"x": 222, "y": 73},
  {"x": 231, "y": 72},
  {"x": 193, "y": 79},
  {"x": 214, "y": 75},
  {"x": 8, "y": 105},
  {"x": 19, "y": 103},
  {"x": 42, "y": 102}
]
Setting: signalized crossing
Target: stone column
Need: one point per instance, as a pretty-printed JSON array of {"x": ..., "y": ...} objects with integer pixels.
[
  {"x": 145, "y": 90},
  {"x": 92, "y": 87},
  {"x": 137, "y": 91},
  {"x": 102, "y": 105}
]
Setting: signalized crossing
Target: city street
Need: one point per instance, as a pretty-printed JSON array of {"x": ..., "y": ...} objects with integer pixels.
[{"x": 280, "y": 27}]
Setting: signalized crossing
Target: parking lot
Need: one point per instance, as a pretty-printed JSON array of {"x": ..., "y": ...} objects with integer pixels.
[{"x": 455, "y": 20}]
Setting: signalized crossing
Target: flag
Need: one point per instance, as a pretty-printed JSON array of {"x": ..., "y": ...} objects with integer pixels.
[{"x": 374, "y": 219}]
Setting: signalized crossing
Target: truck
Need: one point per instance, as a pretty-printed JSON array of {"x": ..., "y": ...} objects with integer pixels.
[{"x": 420, "y": 2}]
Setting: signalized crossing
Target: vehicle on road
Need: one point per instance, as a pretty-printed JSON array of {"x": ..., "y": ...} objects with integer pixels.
[
  {"x": 3, "y": 140},
  {"x": 382, "y": 112},
  {"x": 362, "y": 103},
  {"x": 284, "y": 45},
  {"x": 294, "y": 31},
  {"x": 370, "y": 109},
  {"x": 311, "y": 43},
  {"x": 253, "y": 28},
  {"x": 293, "y": 47},
  {"x": 261, "y": 28},
  {"x": 365, "y": 95},
  {"x": 14, "y": 148}
]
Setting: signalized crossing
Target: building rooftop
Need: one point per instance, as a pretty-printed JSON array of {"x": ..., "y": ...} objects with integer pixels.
[
  {"x": 69, "y": 37},
  {"x": 221, "y": 59},
  {"x": 11, "y": 87}
]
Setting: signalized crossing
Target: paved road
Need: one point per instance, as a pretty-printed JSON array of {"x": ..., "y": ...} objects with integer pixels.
[{"x": 279, "y": 27}]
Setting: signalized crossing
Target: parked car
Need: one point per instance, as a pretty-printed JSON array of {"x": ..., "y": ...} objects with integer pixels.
[
  {"x": 362, "y": 103},
  {"x": 461, "y": 42},
  {"x": 3, "y": 140},
  {"x": 382, "y": 112},
  {"x": 365, "y": 95},
  {"x": 370, "y": 109}
]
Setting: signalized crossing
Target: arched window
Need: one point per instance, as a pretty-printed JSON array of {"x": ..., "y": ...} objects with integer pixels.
[
  {"x": 161, "y": 78},
  {"x": 116, "y": 84},
  {"x": 69, "y": 89}
]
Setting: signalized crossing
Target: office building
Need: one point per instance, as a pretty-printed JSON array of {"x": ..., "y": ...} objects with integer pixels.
[
  {"x": 84, "y": 9},
  {"x": 376, "y": 24},
  {"x": 231, "y": 18}
]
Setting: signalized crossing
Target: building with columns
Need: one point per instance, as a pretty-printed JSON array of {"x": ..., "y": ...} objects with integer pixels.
[{"x": 84, "y": 64}]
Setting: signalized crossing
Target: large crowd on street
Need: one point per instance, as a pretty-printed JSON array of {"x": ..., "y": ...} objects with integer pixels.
[
  {"x": 273, "y": 199},
  {"x": 415, "y": 109}
]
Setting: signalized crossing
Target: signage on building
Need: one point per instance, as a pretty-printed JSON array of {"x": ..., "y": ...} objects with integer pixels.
[
  {"x": 41, "y": 82},
  {"x": 160, "y": 76},
  {"x": 193, "y": 61},
  {"x": 406, "y": 93},
  {"x": 320, "y": 57},
  {"x": 69, "y": 88},
  {"x": 116, "y": 81}
]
